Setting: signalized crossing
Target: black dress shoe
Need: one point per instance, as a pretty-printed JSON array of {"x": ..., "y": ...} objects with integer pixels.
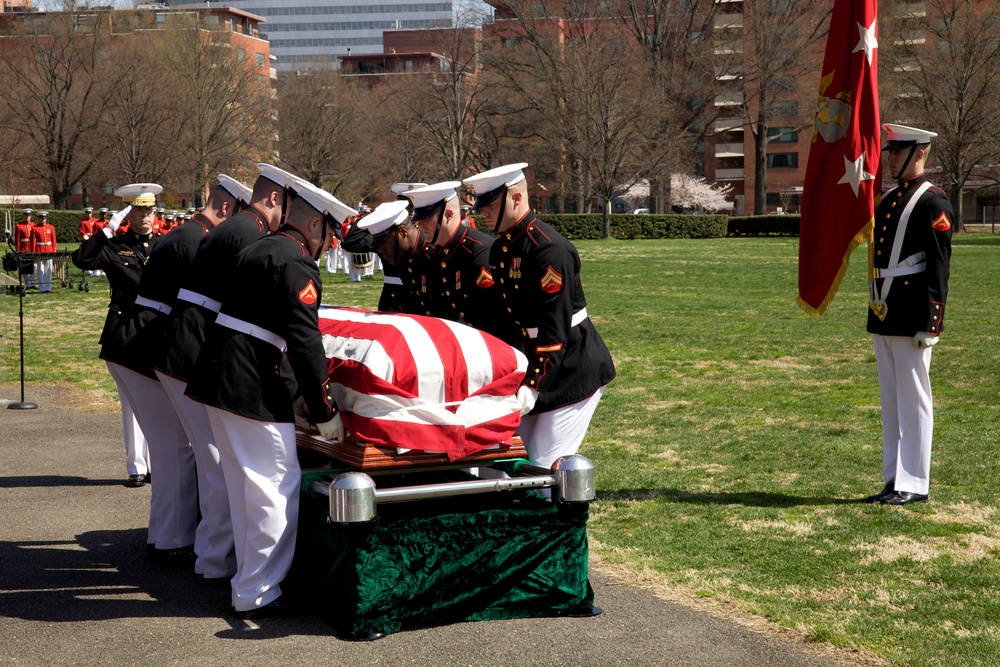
[
  {"x": 178, "y": 556},
  {"x": 903, "y": 498},
  {"x": 877, "y": 498},
  {"x": 274, "y": 609},
  {"x": 135, "y": 481},
  {"x": 215, "y": 581}
]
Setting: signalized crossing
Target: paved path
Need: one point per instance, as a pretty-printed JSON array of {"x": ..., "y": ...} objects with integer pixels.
[{"x": 76, "y": 589}]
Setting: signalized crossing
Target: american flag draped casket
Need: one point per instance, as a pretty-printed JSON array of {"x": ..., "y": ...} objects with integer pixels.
[{"x": 421, "y": 383}]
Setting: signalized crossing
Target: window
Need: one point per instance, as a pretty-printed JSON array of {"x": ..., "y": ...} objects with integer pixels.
[
  {"x": 782, "y": 135},
  {"x": 784, "y": 109},
  {"x": 366, "y": 68},
  {"x": 241, "y": 54},
  {"x": 260, "y": 60},
  {"x": 782, "y": 160}
]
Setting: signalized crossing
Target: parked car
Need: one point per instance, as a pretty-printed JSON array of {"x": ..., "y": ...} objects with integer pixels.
[{"x": 641, "y": 211}]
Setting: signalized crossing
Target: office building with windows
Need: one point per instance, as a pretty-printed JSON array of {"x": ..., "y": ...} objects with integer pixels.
[{"x": 305, "y": 32}]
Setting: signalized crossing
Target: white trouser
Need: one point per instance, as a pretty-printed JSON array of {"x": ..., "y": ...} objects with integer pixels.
[
  {"x": 354, "y": 272},
  {"x": 344, "y": 259},
  {"x": 213, "y": 540},
  {"x": 136, "y": 447},
  {"x": 173, "y": 504},
  {"x": 559, "y": 432},
  {"x": 262, "y": 477},
  {"x": 331, "y": 260},
  {"x": 43, "y": 267},
  {"x": 907, "y": 412}
]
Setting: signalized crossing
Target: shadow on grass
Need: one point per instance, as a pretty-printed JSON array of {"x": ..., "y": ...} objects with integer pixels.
[
  {"x": 54, "y": 480},
  {"x": 748, "y": 498}
]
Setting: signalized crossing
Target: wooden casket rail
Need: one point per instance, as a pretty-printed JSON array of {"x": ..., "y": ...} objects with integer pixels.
[{"x": 367, "y": 456}]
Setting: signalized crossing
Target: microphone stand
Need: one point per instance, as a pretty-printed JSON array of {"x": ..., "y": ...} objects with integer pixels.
[{"x": 21, "y": 405}]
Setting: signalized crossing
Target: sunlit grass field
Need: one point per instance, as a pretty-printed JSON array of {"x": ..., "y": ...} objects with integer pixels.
[{"x": 737, "y": 438}]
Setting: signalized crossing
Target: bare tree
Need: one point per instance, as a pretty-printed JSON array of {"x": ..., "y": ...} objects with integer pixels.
[
  {"x": 446, "y": 100},
  {"x": 324, "y": 129},
  {"x": 673, "y": 35},
  {"x": 775, "y": 67},
  {"x": 51, "y": 76},
  {"x": 942, "y": 67},
  {"x": 225, "y": 101},
  {"x": 139, "y": 132}
]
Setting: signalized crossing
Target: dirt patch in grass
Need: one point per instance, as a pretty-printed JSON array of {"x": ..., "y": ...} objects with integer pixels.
[
  {"x": 649, "y": 580},
  {"x": 974, "y": 513},
  {"x": 797, "y": 528},
  {"x": 960, "y": 549}
]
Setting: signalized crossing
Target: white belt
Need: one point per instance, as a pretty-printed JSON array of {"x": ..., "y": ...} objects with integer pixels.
[
  {"x": 912, "y": 264},
  {"x": 258, "y": 332},
  {"x": 155, "y": 305},
  {"x": 199, "y": 300},
  {"x": 41, "y": 243},
  {"x": 578, "y": 317},
  {"x": 391, "y": 280}
]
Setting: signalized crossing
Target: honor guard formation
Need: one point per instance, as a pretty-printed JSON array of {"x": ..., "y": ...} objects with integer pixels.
[{"x": 212, "y": 337}]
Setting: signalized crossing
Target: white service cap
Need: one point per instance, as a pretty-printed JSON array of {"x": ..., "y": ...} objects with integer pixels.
[
  {"x": 322, "y": 201},
  {"x": 429, "y": 199},
  {"x": 488, "y": 185},
  {"x": 139, "y": 194},
  {"x": 276, "y": 175},
  {"x": 384, "y": 217},
  {"x": 903, "y": 136},
  {"x": 239, "y": 191},
  {"x": 403, "y": 188}
]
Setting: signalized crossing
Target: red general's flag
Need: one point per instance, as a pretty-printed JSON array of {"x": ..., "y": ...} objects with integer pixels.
[{"x": 844, "y": 172}]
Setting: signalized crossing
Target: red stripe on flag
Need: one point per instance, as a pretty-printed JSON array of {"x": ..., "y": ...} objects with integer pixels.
[
  {"x": 843, "y": 175},
  {"x": 456, "y": 380}
]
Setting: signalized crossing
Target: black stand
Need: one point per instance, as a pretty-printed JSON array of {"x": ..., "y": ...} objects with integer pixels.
[{"x": 20, "y": 405}]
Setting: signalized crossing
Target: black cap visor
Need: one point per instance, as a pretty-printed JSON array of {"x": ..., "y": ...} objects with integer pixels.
[
  {"x": 901, "y": 145},
  {"x": 427, "y": 211},
  {"x": 488, "y": 198}
]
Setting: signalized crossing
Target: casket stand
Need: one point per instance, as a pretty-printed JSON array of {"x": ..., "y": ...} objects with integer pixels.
[{"x": 439, "y": 560}]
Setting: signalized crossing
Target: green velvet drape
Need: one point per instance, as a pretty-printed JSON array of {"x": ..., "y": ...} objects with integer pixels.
[{"x": 468, "y": 558}]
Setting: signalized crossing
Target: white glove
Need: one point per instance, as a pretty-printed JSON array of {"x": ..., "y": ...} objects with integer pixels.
[
  {"x": 333, "y": 429},
  {"x": 922, "y": 340},
  {"x": 116, "y": 220},
  {"x": 527, "y": 396}
]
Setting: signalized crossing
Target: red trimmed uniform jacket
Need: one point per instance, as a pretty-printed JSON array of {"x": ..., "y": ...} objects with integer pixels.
[
  {"x": 538, "y": 275},
  {"x": 915, "y": 302},
  {"x": 276, "y": 286}
]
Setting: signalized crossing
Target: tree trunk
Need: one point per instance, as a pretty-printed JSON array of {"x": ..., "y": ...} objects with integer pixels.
[
  {"x": 955, "y": 196},
  {"x": 760, "y": 166},
  {"x": 607, "y": 218}
]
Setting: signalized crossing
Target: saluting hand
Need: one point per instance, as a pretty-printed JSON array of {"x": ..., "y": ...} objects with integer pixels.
[{"x": 116, "y": 220}]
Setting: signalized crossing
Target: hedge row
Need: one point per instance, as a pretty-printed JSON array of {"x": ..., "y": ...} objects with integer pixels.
[
  {"x": 627, "y": 226},
  {"x": 764, "y": 225}
]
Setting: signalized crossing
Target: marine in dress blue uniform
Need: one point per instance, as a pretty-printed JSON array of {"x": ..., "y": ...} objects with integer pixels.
[
  {"x": 537, "y": 273},
  {"x": 271, "y": 309},
  {"x": 193, "y": 311},
  {"x": 453, "y": 280},
  {"x": 911, "y": 254},
  {"x": 122, "y": 257}
]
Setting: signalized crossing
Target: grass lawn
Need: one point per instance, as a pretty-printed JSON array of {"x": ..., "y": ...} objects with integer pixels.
[{"x": 738, "y": 436}]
